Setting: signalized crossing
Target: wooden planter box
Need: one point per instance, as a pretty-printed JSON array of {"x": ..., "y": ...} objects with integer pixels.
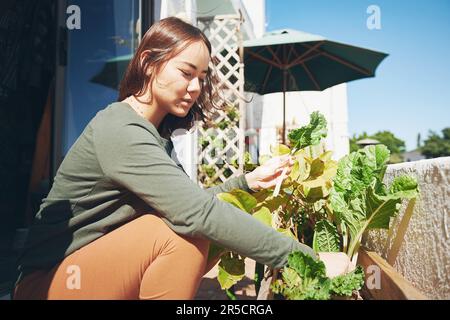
[{"x": 392, "y": 285}]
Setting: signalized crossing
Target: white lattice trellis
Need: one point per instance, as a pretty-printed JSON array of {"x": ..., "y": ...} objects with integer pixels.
[{"x": 224, "y": 145}]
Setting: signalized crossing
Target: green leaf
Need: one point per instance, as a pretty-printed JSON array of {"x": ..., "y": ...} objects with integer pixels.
[
  {"x": 231, "y": 271},
  {"x": 300, "y": 170},
  {"x": 360, "y": 199},
  {"x": 215, "y": 251},
  {"x": 357, "y": 170},
  {"x": 344, "y": 285},
  {"x": 232, "y": 199},
  {"x": 291, "y": 277},
  {"x": 372, "y": 211},
  {"x": 326, "y": 156},
  {"x": 317, "y": 168},
  {"x": 303, "y": 279},
  {"x": 295, "y": 172},
  {"x": 246, "y": 199},
  {"x": 305, "y": 265},
  {"x": 318, "y": 187},
  {"x": 326, "y": 237},
  {"x": 379, "y": 209},
  {"x": 264, "y": 215},
  {"x": 279, "y": 150},
  {"x": 240, "y": 199},
  {"x": 310, "y": 134},
  {"x": 272, "y": 203},
  {"x": 287, "y": 232},
  {"x": 405, "y": 186}
]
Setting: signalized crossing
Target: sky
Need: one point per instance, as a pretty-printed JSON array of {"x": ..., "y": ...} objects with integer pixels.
[{"x": 410, "y": 93}]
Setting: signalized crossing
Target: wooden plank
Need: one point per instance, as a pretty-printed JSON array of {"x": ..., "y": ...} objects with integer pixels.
[{"x": 383, "y": 282}]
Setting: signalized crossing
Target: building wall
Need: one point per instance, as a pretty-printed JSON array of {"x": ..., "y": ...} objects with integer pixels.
[
  {"x": 332, "y": 103},
  {"x": 256, "y": 9},
  {"x": 424, "y": 255}
]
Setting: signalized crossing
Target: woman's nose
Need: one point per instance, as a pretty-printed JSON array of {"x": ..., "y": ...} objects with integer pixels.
[{"x": 194, "y": 85}]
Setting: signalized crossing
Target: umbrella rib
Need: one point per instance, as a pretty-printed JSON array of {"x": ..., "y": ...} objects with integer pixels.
[
  {"x": 342, "y": 61},
  {"x": 298, "y": 60},
  {"x": 257, "y": 56},
  {"x": 293, "y": 78},
  {"x": 274, "y": 54},
  {"x": 266, "y": 78},
  {"x": 311, "y": 76},
  {"x": 289, "y": 54}
]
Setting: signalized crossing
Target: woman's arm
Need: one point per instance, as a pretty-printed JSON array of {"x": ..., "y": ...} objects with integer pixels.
[
  {"x": 132, "y": 158},
  {"x": 239, "y": 182}
]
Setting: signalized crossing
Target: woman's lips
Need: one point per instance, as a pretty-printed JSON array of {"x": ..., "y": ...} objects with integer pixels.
[{"x": 186, "y": 102}]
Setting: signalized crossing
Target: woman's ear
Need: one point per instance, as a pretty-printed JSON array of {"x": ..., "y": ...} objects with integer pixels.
[{"x": 144, "y": 55}]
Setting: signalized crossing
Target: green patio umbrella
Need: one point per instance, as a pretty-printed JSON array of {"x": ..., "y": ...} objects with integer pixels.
[
  {"x": 291, "y": 60},
  {"x": 112, "y": 71}
]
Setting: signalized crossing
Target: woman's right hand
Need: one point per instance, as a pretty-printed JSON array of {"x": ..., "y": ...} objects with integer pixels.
[{"x": 336, "y": 263}]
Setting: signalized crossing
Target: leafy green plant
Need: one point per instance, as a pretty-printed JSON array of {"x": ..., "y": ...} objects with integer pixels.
[
  {"x": 309, "y": 182},
  {"x": 305, "y": 279},
  {"x": 325, "y": 204},
  {"x": 360, "y": 201}
]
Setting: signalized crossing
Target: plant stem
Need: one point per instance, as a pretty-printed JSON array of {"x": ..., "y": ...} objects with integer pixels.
[
  {"x": 259, "y": 275},
  {"x": 230, "y": 293},
  {"x": 283, "y": 173}
]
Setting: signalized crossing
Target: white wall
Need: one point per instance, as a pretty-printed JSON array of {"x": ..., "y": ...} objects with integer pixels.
[
  {"x": 332, "y": 103},
  {"x": 256, "y": 9},
  {"x": 424, "y": 255}
]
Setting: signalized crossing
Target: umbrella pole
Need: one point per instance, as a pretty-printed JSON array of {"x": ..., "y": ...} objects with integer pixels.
[
  {"x": 284, "y": 118},
  {"x": 283, "y": 139}
]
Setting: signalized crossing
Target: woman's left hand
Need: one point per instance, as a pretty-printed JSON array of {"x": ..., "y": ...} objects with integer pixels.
[{"x": 268, "y": 174}]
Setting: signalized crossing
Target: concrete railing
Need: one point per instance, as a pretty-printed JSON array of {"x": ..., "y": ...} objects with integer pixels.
[{"x": 417, "y": 244}]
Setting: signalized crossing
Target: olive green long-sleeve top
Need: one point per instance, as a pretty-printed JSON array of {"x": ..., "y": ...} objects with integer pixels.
[{"x": 119, "y": 168}]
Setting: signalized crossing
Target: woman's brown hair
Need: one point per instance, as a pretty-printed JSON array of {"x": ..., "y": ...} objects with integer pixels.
[{"x": 164, "y": 40}]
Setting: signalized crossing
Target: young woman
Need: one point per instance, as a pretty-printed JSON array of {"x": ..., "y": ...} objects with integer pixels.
[{"x": 122, "y": 220}]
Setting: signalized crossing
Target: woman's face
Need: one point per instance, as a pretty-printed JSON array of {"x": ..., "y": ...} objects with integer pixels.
[{"x": 179, "y": 82}]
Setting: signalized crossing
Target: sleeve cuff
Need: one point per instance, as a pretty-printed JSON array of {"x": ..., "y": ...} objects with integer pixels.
[{"x": 243, "y": 184}]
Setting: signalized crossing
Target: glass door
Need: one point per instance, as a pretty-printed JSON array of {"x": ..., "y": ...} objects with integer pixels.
[{"x": 93, "y": 54}]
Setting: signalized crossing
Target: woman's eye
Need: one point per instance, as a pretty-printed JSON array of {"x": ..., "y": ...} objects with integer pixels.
[{"x": 187, "y": 74}]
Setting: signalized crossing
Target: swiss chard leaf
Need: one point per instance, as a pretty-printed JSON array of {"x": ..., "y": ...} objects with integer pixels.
[
  {"x": 303, "y": 279},
  {"x": 240, "y": 199},
  {"x": 357, "y": 171},
  {"x": 359, "y": 197},
  {"x": 264, "y": 215},
  {"x": 326, "y": 237},
  {"x": 310, "y": 134},
  {"x": 231, "y": 271},
  {"x": 344, "y": 285}
]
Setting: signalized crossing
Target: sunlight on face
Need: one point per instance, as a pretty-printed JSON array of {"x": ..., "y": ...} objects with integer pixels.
[{"x": 179, "y": 83}]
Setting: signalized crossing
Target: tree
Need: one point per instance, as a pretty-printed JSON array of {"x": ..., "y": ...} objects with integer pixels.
[
  {"x": 387, "y": 138},
  {"x": 354, "y": 139},
  {"x": 437, "y": 146},
  {"x": 395, "y": 145}
]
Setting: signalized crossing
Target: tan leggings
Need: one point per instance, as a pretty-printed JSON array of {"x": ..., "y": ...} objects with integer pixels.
[{"x": 143, "y": 259}]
